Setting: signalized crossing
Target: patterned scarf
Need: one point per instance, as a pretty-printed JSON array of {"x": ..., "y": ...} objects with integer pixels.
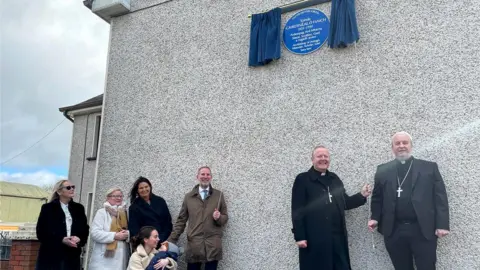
[{"x": 119, "y": 223}]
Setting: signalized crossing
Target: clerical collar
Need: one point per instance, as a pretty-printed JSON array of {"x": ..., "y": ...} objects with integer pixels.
[
  {"x": 320, "y": 173},
  {"x": 408, "y": 160}
]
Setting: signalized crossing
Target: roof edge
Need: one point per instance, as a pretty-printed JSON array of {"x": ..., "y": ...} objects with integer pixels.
[{"x": 93, "y": 102}]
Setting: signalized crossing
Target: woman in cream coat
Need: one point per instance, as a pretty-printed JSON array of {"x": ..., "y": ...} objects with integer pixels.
[
  {"x": 110, "y": 235},
  {"x": 145, "y": 243}
]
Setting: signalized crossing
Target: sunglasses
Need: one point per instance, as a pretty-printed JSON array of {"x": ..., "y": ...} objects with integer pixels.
[{"x": 69, "y": 187}]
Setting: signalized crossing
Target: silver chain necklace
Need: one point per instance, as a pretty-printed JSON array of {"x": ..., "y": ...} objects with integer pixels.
[{"x": 399, "y": 190}]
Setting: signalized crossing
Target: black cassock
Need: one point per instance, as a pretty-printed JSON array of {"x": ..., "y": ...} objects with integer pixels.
[{"x": 320, "y": 221}]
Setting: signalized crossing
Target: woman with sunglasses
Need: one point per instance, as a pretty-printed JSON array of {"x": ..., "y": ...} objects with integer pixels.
[
  {"x": 110, "y": 234},
  {"x": 62, "y": 230}
]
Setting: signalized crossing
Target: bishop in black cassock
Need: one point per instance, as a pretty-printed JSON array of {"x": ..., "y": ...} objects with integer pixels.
[{"x": 319, "y": 202}]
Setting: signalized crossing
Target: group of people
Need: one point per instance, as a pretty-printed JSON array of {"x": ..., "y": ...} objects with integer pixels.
[
  {"x": 409, "y": 206},
  {"x": 140, "y": 237}
]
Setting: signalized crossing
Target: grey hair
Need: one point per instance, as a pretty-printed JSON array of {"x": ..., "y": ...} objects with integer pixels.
[
  {"x": 204, "y": 167},
  {"x": 320, "y": 146},
  {"x": 403, "y": 133},
  {"x": 110, "y": 191}
]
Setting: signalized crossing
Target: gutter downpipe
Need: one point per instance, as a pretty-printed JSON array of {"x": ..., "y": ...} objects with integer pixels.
[{"x": 95, "y": 178}]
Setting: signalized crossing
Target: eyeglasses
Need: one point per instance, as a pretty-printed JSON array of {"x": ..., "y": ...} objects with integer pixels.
[
  {"x": 116, "y": 196},
  {"x": 69, "y": 187}
]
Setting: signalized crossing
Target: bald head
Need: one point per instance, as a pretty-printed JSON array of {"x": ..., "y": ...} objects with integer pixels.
[{"x": 402, "y": 145}]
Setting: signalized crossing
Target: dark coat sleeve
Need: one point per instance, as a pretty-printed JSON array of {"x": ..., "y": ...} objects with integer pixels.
[
  {"x": 181, "y": 222},
  {"x": 299, "y": 200},
  {"x": 133, "y": 220},
  {"x": 82, "y": 223},
  {"x": 166, "y": 221},
  {"x": 442, "y": 215},
  {"x": 354, "y": 201},
  {"x": 377, "y": 198},
  {"x": 46, "y": 233}
]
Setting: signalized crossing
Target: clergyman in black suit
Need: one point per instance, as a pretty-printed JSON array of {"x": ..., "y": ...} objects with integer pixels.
[{"x": 410, "y": 207}]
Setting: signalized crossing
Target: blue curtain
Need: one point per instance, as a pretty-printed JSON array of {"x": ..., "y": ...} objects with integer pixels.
[
  {"x": 265, "y": 37},
  {"x": 343, "y": 24}
]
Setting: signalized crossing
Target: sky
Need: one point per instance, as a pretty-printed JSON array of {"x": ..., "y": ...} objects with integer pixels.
[{"x": 53, "y": 54}]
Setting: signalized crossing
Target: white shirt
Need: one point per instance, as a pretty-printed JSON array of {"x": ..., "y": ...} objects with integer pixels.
[
  {"x": 200, "y": 190},
  {"x": 68, "y": 218}
]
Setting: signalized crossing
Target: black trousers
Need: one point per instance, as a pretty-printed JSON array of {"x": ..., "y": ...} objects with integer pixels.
[
  {"x": 208, "y": 266},
  {"x": 406, "y": 244}
]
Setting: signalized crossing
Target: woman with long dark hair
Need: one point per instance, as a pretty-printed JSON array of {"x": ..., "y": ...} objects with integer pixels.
[
  {"x": 62, "y": 230},
  {"x": 148, "y": 209},
  {"x": 145, "y": 245}
]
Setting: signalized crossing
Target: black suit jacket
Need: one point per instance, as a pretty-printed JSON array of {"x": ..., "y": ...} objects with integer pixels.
[{"x": 429, "y": 197}]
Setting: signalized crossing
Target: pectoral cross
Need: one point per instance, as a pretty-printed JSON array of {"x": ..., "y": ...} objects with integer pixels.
[
  {"x": 329, "y": 195},
  {"x": 399, "y": 190}
]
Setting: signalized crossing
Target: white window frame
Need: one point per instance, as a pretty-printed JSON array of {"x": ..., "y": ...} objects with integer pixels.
[{"x": 96, "y": 135}]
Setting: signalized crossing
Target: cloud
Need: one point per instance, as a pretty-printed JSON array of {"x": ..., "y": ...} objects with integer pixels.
[
  {"x": 53, "y": 54},
  {"x": 40, "y": 178}
]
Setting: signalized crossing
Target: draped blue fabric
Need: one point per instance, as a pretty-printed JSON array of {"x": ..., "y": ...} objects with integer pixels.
[
  {"x": 343, "y": 24},
  {"x": 265, "y": 37}
]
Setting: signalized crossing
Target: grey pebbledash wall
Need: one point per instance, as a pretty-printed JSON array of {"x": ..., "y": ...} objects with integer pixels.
[
  {"x": 179, "y": 95},
  {"x": 82, "y": 171}
]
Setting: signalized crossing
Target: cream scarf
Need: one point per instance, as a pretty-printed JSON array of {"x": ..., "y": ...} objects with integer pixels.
[{"x": 119, "y": 223}]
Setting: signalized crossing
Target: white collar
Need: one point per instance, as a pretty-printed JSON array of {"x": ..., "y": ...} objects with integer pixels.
[
  {"x": 142, "y": 253},
  {"x": 200, "y": 189}
]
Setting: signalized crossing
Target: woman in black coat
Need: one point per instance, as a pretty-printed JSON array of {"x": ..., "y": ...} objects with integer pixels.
[
  {"x": 62, "y": 230},
  {"x": 148, "y": 209}
]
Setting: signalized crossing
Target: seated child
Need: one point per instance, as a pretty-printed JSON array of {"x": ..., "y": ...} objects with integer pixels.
[{"x": 167, "y": 251}]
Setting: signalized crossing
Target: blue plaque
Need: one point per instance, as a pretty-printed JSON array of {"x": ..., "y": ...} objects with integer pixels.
[{"x": 306, "y": 31}]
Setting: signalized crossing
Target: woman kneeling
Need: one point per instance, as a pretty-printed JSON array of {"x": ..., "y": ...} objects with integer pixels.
[{"x": 145, "y": 243}]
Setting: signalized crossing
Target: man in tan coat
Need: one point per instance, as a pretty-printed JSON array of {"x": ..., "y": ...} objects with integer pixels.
[{"x": 206, "y": 212}]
